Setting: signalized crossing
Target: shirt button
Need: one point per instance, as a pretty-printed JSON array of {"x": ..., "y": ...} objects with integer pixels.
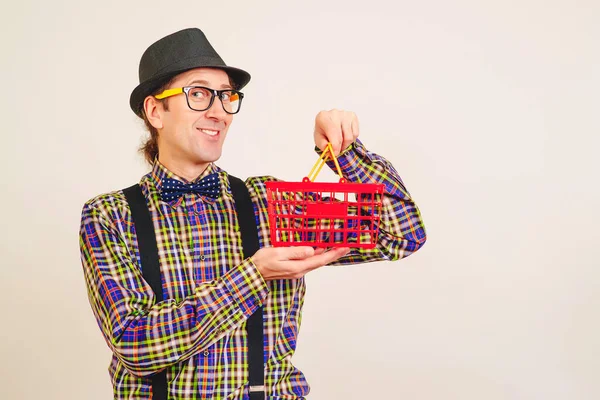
[
  {"x": 202, "y": 258},
  {"x": 206, "y": 353}
]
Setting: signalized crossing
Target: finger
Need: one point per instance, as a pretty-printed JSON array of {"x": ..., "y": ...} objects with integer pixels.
[
  {"x": 331, "y": 127},
  {"x": 320, "y": 260},
  {"x": 331, "y": 256},
  {"x": 297, "y": 253},
  {"x": 348, "y": 137},
  {"x": 342, "y": 250},
  {"x": 355, "y": 127},
  {"x": 337, "y": 136},
  {"x": 320, "y": 139},
  {"x": 299, "y": 268},
  {"x": 320, "y": 250},
  {"x": 320, "y": 134}
]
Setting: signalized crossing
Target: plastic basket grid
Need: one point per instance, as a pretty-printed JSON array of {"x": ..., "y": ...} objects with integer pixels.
[{"x": 324, "y": 214}]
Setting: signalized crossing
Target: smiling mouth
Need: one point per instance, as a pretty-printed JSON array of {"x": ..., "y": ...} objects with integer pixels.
[{"x": 209, "y": 132}]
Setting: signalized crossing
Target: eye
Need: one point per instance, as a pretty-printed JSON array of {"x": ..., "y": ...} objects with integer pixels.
[
  {"x": 226, "y": 96},
  {"x": 199, "y": 94}
]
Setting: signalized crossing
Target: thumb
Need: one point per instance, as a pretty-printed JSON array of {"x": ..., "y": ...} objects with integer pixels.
[{"x": 320, "y": 140}]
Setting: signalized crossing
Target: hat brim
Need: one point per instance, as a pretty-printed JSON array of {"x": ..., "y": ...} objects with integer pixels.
[{"x": 145, "y": 89}]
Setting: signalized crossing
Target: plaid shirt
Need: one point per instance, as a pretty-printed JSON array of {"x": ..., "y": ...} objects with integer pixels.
[{"x": 198, "y": 333}]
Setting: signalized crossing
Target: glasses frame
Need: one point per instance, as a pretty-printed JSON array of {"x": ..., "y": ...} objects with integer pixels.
[{"x": 214, "y": 92}]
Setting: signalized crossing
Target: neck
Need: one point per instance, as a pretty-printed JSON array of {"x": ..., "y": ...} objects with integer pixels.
[{"x": 188, "y": 171}]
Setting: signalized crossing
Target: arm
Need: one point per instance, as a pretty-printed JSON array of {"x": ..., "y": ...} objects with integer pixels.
[
  {"x": 145, "y": 336},
  {"x": 401, "y": 230}
]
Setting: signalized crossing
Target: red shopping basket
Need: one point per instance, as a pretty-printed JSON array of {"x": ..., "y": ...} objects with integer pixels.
[{"x": 315, "y": 214}]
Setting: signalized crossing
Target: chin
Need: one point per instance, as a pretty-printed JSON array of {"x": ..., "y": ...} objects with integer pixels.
[{"x": 207, "y": 158}]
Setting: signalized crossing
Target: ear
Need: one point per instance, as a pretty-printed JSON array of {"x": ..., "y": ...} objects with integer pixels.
[{"x": 154, "y": 111}]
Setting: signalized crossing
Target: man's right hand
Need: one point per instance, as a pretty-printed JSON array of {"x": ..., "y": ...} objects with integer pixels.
[{"x": 293, "y": 262}]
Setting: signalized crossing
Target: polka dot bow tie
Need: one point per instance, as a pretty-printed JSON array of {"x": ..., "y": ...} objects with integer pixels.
[{"x": 209, "y": 186}]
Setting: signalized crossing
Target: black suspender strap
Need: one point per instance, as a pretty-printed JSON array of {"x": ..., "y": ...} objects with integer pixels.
[
  {"x": 144, "y": 229},
  {"x": 151, "y": 273},
  {"x": 146, "y": 237},
  {"x": 254, "y": 324}
]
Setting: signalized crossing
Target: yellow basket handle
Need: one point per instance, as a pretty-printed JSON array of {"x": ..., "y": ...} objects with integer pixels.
[{"x": 327, "y": 153}]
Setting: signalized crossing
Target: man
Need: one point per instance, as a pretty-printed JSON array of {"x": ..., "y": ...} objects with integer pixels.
[{"x": 197, "y": 335}]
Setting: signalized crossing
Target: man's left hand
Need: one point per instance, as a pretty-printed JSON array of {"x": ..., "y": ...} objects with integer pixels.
[{"x": 338, "y": 127}]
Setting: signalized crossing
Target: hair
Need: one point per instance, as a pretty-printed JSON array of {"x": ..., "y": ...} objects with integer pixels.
[{"x": 149, "y": 148}]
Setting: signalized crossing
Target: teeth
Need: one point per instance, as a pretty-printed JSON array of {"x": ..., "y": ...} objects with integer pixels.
[{"x": 209, "y": 132}]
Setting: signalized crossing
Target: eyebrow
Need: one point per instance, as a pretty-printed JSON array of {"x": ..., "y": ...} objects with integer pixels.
[{"x": 203, "y": 82}]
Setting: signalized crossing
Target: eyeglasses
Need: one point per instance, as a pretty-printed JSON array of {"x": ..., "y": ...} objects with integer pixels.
[{"x": 200, "y": 98}]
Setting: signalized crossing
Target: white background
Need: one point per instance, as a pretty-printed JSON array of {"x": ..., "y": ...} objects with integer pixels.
[{"x": 488, "y": 109}]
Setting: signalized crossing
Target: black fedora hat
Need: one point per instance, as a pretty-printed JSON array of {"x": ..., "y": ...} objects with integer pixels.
[{"x": 174, "y": 54}]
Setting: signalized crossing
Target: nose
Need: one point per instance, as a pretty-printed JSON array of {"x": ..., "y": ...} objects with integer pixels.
[{"x": 216, "y": 110}]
